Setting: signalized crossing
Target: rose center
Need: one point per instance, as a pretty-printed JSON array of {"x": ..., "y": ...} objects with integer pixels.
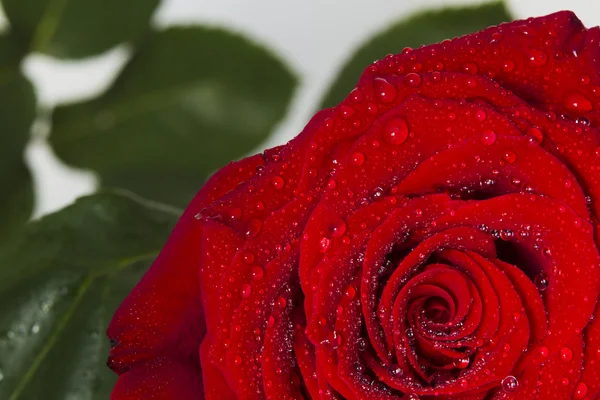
[{"x": 437, "y": 310}]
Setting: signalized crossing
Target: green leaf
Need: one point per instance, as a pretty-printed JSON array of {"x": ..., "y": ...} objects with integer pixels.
[
  {"x": 420, "y": 29},
  {"x": 60, "y": 283},
  {"x": 77, "y": 28},
  {"x": 17, "y": 112},
  {"x": 191, "y": 100}
]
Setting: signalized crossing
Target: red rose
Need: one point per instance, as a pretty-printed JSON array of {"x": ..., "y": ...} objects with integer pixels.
[{"x": 433, "y": 236}]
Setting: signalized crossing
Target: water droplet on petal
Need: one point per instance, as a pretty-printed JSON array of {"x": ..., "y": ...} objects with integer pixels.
[
  {"x": 509, "y": 156},
  {"x": 578, "y": 103},
  {"x": 488, "y": 137},
  {"x": 358, "y": 159},
  {"x": 270, "y": 321},
  {"x": 350, "y": 292},
  {"x": 581, "y": 390},
  {"x": 256, "y": 272},
  {"x": 278, "y": 182},
  {"x": 362, "y": 344},
  {"x": 480, "y": 115},
  {"x": 338, "y": 228},
  {"x": 324, "y": 244},
  {"x": 541, "y": 282},
  {"x": 461, "y": 363},
  {"x": 395, "y": 131},
  {"x": 281, "y": 302},
  {"x": 584, "y": 79},
  {"x": 583, "y": 121},
  {"x": 536, "y": 134},
  {"x": 470, "y": 68},
  {"x": 566, "y": 354},
  {"x": 357, "y": 96},
  {"x": 537, "y": 58},
  {"x": 246, "y": 290},
  {"x": 510, "y": 384},
  {"x": 508, "y": 66},
  {"x": 237, "y": 360},
  {"x": 347, "y": 112},
  {"x": 385, "y": 91},
  {"x": 413, "y": 79},
  {"x": 253, "y": 228},
  {"x": 248, "y": 257}
]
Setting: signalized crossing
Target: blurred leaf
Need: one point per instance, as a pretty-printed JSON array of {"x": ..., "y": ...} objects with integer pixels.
[
  {"x": 60, "y": 283},
  {"x": 191, "y": 100},
  {"x": 17, "y": 112},
  {"x": 421, "y": 29},
  {"x": 77, "y": 28}
]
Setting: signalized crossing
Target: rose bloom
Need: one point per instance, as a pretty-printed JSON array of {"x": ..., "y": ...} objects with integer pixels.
[{"x": 434, "y": 236}]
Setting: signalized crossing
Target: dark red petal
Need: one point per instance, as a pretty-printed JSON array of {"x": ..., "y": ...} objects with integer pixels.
[{"x": 160, "y": 378}]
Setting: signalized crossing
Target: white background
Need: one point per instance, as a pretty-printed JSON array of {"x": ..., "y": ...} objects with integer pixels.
[{"x": 313, "y": 36}]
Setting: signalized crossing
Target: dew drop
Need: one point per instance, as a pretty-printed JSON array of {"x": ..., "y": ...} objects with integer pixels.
[
  {"x": 347, "y": 112},
  {"x": 506, "y": 234},
  {"x": 362, "y": 344},
  {"x": 324, "y": 244},
  {"x": 248, "y": 257},
  {"x": 270, "y": 321},
  {"x": 461, "y": 363},
  {"x": 237, "y": 360},
  {"x": 246, "y": 290},
  {"x": 338, "y": 228},
  {"x": 510, "y": 384},
  {"x": 257, "y": 272},
  {"x": 412, "y": 79},
  {"x": 566, "y": 354},
  {"x": 395, "y": 131},
  {"x": 253, "y": 228},
  {"x": 480, "y": 115},
  {"x": 488, "y": 137},
  {"x": 508, "y": 66},
  {"x": 377, "y": 194},
  {"x": 358, "y": 159},
  {"x": 583, "y": 121},
  {"x": 278, "y": 182},
  {"x": 470, "y": 68},
  {"x": 577, "y": 102},
  {"x": 385, "y": 91},
  {"x": 357, "y": 96},
  {"x": 281, "y": 302},
  {"x": 581, "y": 390},
  {"x": 537, "y": 58},
  {"x": 235, "y": 213},
  {"x": 536, "y": 134},
  {"x": 509, "y": 156},
  {"x": 541, "y": 282},
  {"x": 350, "y": 292}
]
